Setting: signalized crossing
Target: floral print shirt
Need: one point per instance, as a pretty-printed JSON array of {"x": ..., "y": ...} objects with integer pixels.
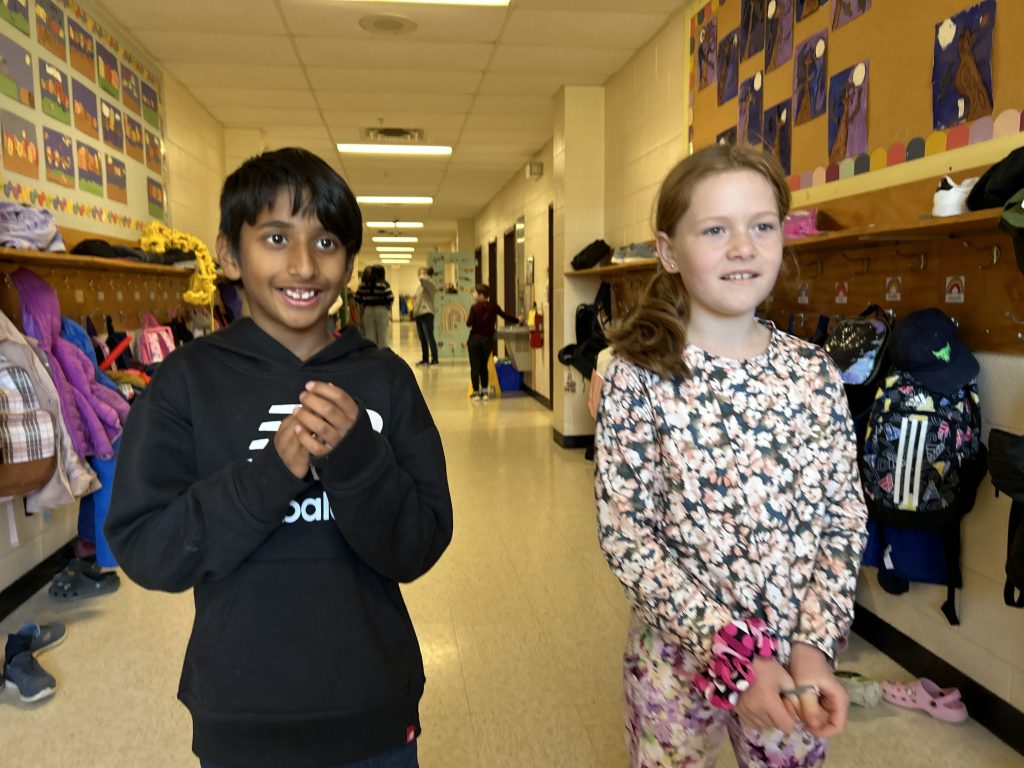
[{"x": 733, "y": 493}]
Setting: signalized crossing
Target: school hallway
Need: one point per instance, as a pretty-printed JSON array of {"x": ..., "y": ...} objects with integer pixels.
[{"x": 522, "y": 626}]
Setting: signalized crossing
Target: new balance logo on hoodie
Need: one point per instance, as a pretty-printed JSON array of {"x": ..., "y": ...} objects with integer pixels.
[{"x": 312, "y": 509}]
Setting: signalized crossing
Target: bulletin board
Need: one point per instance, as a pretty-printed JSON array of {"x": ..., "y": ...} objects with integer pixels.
[
  {"x": 82, "y": 119},
  {"x": 454, "y": 275},
  {"x": 801, "y": 65}
]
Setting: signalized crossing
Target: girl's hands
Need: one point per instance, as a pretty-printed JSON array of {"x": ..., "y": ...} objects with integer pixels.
[
  {"x": 761, "y": 706},
  {"x": 822, "y": 711}
]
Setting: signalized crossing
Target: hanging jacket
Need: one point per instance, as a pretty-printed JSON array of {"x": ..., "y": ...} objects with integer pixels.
[
  {"x": 73, "y": 477},
  {"x": 94, "y": 415},
  {"x": 77, "y": 335}
]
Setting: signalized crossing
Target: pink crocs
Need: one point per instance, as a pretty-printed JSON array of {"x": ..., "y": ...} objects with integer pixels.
[{"x": 941, "y": 703}]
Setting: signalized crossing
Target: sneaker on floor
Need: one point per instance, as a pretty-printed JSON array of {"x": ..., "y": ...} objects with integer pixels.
[
  {"x": 862, "y": 691},
  {"x": 434, "y": 362},
  {"x": 43, "y": 637},
  {"x": 31, "y": 681},
  {"x": 950, "y": 198},
  {"x": 475, "y": 396},
  {"x": 485, "y": 396},
  {"x": 422, "y": 362}
]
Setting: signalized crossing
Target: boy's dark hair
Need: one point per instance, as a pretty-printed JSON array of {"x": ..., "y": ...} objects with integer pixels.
[
  {"x": 315, "y": 187},
  {"x": 367, "y": 274},
  {"x": 484, "y": 290},
  {"x": 379, "y": 273}
]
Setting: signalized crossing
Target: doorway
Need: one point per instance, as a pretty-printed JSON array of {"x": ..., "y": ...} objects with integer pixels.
[
  {"x": 492, "y": 266},
  {"x": 509, "y": 295},
  {"x": 478, "y": 262},
  {"x": 551, "y": 304}
]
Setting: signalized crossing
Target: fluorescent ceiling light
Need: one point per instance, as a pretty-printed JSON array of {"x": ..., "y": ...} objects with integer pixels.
[
  {"x": 394, "y": 149},
  {"x": 396, "y": 239},
  {"x": 489, "y": 3},
  {"x": 395, "y": 249},
  {"x": 396, "y": 224},
  {"x": 395, "y": 257},
  {"x": 394, "y": 200}
]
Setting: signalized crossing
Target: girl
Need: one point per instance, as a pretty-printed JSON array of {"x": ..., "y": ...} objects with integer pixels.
[
  {"x": 423, "y": 312},
  {"x": 728, "y": 498}
]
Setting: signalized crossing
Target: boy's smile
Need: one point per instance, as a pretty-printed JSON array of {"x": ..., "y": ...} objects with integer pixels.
[{"x": 292, "y": 269}]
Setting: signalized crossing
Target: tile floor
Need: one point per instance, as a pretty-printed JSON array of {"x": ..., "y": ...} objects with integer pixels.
[{"x": 521, "y": 623}]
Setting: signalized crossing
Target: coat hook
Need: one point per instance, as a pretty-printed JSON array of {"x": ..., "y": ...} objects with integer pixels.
[
  {"x": 1013, "y": 318},
  {"x": 996, "y": 253},
  {"x": 865, "y": 262},
  {"x": 817, "y": 269},
  {"x": 922, "y": 256}
]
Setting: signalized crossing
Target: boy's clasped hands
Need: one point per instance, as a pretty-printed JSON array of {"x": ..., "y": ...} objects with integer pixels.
[
  {"x": 325, "y": 416},
  {"x": 807, "y": 692}
]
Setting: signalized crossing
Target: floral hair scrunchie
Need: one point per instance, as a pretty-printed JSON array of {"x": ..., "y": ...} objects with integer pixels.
[{"x": 731, "y": 670}]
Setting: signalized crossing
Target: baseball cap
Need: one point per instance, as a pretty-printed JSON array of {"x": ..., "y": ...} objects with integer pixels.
[
  {"x": 1013, "y": 222},
  {"x": 925, "y": 345}
]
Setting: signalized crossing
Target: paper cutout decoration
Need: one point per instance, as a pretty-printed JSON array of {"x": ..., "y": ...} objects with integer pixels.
[
  {"x": 751, "y": 104},
  {"x": 21, "y": 153},
  {"x": 50, "y": 28},
  {"x": 16, "y": 79},
  {"x": 90, "y": 172},
  {"x": 778, "y": 46},
  {"x": 59, "y": 154},
  {"x": 117, "y": 180},
  {"x": 134, "y": 141},
  {"x": 707, "y": 53},
  {"x": 962, "y": 66},
  {"x": 84, "y": 109},
  {"x": 106, "y": 65},
  {"x": 54, "y": 92},
  {"x": 15, "y": 13},
  {"x": 82, "y": 49},
  {"x": 778, "y": 133},
  {"x": 752, "y": 23},
  {"x": 848, "y": 113},
  {"x": 113, "y": 125},
  {"x": 845, "y": 11},
  {"x": 728, "y": 66},
  {"x": 805, "y": 8},
  {"x": 809, "y": 70}
]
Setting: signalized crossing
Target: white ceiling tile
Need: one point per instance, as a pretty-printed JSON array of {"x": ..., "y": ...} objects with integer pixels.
[
  {"x": 231, "y": 16},
  {"x": 491, "y": 104},
  {"x": 472, "y": 136},
  {"x": 663, "y": 7},
  {"x": 374, "y": 54},
  {"x": 532, "y": 84},
  {"x": 523, "y": 121},
  {"x": 296, "y": 133},
  {"x": 394, "y": 165},
  {"x": 394, "y": 102},
  {"x": 541, "y": 60},
  {"x": 393, "y": 80},
  {"x": 338, "y": 118},
  {"x": 283, "y": 98},
  {"x": 219, "y": 48},
  {"x": 341, "y": 21},
  {"x": 197, "y": 75},
  {"x": 590, "y": 30},
  {"x": 243, "y": 117}
]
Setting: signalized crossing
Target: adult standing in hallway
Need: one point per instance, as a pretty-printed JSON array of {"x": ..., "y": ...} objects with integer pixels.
[
  {"x": 728, "y": 496},
  {"x": 483, "y": 324},
  {"x": 423, "y": 313},
  {"x": 375, "y": 298}
]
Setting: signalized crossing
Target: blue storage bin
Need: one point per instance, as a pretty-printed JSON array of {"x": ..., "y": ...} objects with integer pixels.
[{"x": 509, "y": 379}]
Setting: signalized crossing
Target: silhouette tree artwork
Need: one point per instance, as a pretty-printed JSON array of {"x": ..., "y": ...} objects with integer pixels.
[{"x": 969, "y": 82}]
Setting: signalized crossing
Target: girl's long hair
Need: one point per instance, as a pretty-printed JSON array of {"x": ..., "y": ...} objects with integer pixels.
[{"x": 654, "y": 335}]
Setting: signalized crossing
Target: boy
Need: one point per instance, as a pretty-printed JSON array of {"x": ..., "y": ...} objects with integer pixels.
[
  {"x": 290, "y": 479},
  {"x": 482, "y": 322}
]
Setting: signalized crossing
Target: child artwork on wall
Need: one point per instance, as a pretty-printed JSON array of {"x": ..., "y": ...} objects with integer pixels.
[
  {"x": 59, "y": 157},
  {"x": 117, "y": 180},
  {"x": 778, "y": 133},
  {"x": 84, "y": 108},
  {"x": 154, "y": 160},
  {"x": 962, "y": 66},
  {"x": 728, "y": 66},
  {"x": 50, "y": 28},
  {"x": 848, "y": 113},
  {"x": 809, "y": 68},
  {"x": 16, "y": 72},
  {"x": 752, "y": 13},
  {"x": 130, "y": 95},
  {"x": 113, "y": 126},
  {"x": 150, "y": 105},
  {"x": 21, "y": 153},
  {"x": 728, "y": 136},
  {"x": 106, "y": 64},
  {"x": 155, "y": 192},
  {"x": 707, "y": 53},
  {"x": 83, "y": 50},
  {"x": 778, "y": 46},
  {"x": 845, "y": 11},
  {"x": 54, "y": 92},
  {"x": 90, "y": 172},
  {"x": 805, "y": 8},
  {"x": 133, "y": 140},
  {"x": 751, "y": 107},
  {"x": 15, "y": 13}
]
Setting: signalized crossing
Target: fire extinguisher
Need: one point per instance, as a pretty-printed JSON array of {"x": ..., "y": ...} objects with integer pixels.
[{"x": 537, "y": 331}]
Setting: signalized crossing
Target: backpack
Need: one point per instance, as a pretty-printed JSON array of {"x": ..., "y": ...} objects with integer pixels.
[
  {"x": 1006, "y": 465},
  {"x": 592, "y": 255},
  {"x": 590, "y": 338},
  {"x": 28, "y": 434},
  {"x": 859, "y": 348},
  {"x": 922, "y": 462}
]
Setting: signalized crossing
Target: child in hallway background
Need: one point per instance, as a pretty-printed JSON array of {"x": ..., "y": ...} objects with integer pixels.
[
  {"x": 375, "y": 298},
  {"x": 728, "y": 497},
  {"x": 291, "y": 480},
  {"x": 423, "y": 314},
  {"x": 483, "y": 323}
]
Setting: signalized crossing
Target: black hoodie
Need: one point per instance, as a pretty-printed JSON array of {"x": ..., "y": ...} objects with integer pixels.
[{"x": 302, "y": 652}]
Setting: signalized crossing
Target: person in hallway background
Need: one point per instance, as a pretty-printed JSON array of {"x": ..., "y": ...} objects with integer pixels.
[
  {"x": 375, "y": 298},
  {"x": 302, "y": 651},
  {"x": 483, "y": 323},
  {"x": 728, "y": 497},
  {"x": 364, "y": 279},
  {"x": 423, "y": 314}
]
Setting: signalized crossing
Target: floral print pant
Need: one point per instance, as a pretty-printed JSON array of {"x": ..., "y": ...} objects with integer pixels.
[{"x": 670, "y": 725}]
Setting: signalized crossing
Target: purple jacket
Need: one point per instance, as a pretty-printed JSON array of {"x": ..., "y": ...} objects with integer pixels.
[{"x": 93, "y": 414}]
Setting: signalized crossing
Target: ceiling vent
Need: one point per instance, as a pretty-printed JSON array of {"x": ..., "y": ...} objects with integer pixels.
[
  {"x": 387, "y": 24},
  {"x": 394, "y": 135}
]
